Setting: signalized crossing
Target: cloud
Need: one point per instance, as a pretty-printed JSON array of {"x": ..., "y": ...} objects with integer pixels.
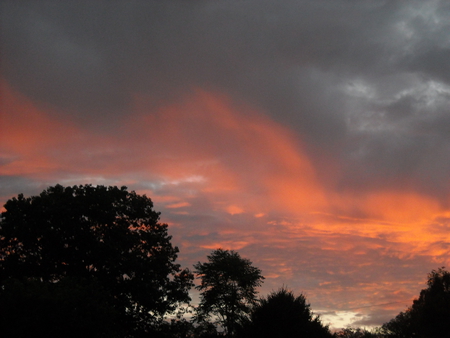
[{"x": 312, "y": 136}]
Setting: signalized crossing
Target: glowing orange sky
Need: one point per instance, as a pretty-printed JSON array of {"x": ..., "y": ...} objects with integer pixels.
[{"x": 224, "y": 174}]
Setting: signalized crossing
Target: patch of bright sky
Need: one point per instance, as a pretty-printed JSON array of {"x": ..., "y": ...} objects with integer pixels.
[
  {"x": 188, "y": 179},
  {"x": 156, "y": 185},
  {"x": 339, "y": 319}
]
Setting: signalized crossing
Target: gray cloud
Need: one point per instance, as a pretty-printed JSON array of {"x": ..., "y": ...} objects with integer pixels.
[
  {"x": 314, "y": 66},
  {"x": 365, "y": 86}
]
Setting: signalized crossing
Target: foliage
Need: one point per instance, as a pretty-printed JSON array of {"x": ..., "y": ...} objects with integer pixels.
[
  {"x": 100, "y": 233},
  {"x": 206, "y": 330},
  {"x": 70, "y": 308},
  {"x": 228, "y": 288},
  {"x": 282, "y": 315},
  {"x": 181, "y": 328},
  {"x": 429, "y": 314},
  {"x": 357, "y": 333}
]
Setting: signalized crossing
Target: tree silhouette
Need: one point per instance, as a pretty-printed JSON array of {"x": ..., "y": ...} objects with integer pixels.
[
  {"x": 358, "y": 333},
  {"x": 104, "y": 234},
  {"x": 228, "y": 288},
  {"x": 429, "y": 315},
  {"x": 70, "y": 308},
  {"x": 282, "y": 315}
]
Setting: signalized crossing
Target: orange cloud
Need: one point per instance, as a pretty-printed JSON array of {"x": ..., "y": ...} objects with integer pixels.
[
  {"x": 239, "y": 153},
  {"x": 205, "y": 144},
  {"x": 178, "y": 205},
  {"x": 227, "y": 245},
  {"x": 401, "y": 206},
  {"x": 29, "y": 135},
  {"x": 243, "y": 182}
]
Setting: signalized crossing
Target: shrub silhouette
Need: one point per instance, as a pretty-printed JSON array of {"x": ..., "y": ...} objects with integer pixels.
[{"x": 282, "y": 315}]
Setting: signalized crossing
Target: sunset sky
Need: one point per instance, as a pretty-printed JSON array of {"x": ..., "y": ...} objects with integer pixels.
[{"x": 313, "y": 137}]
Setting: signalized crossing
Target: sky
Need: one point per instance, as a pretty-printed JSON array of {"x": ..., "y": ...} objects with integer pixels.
[{"x": 312, "y": 137}]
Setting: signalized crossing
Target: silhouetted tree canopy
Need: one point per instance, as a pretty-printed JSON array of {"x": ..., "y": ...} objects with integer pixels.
[
  {"x": 358, "y": 333},
  {"x": 228, "y": 288},
  {"x": 70, "y": 308},
  {"x": 282, "y": 315},
  {"x": 182, "y": 328},
  {"x": 429, "y": 315},
  {"x": 104, "y": 234}
]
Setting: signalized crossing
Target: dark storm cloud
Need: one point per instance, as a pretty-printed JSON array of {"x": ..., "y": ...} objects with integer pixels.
[
  {"x": 364, "y": 84},
  {"x": 91, "y": 56},
  {"x": 313, "y": 65}
]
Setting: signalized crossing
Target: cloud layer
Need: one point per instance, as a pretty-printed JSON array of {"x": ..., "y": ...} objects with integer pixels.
[{"x": 311, "y": 136}]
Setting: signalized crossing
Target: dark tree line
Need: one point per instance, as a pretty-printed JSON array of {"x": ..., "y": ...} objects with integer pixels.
[
  {"x": 85, "y": 239},
  {"x": 95, "y": 261},
  {"x": 429, "y": 315}
]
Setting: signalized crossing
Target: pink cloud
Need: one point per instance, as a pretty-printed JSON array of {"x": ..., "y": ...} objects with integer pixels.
[{"x": 227, "y": 176}]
